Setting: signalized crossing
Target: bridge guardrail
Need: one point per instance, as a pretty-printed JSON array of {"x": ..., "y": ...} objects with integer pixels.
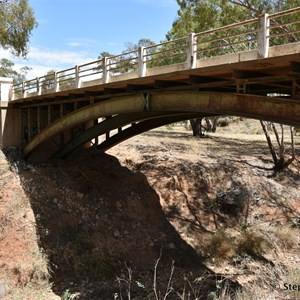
[
  {"x": 232, "y": 38},
  {"x": 256, "y": 34},
  {"x": 284, "y": 24}
]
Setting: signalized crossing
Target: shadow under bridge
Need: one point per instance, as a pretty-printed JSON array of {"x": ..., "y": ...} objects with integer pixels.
[{"x": 151, "y": 110}]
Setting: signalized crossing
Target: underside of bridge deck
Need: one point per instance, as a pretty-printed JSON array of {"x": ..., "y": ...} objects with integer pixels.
[{"x": 154, "y": 109}]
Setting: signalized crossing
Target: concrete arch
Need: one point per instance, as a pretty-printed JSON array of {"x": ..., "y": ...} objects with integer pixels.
[
  {"x": 154, "y": 120},
  {"x": 143, "y": 127},
  {"x": 284, "y": 111}
]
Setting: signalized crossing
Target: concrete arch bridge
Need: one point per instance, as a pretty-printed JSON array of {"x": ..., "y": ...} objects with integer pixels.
[{"x": 249, "y": 69}]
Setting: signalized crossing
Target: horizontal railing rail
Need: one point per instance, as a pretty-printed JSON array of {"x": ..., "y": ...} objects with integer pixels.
[
  {"x": 166, "y": 53},
  {"x": 256, "y": 34},
  {"x": 228, "y": 39},
  {"x": 284, "y": 26}
]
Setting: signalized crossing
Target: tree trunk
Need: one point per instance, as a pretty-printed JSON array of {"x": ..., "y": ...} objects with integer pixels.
[
  {"x": 280, "y": 160},
  {"x": 214, "y": 124},
  {"x": 196, "y": 127},
  {"x": 271, "y": 147}
]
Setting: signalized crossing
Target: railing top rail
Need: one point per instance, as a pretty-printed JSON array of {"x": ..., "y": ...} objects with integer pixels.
[
  {"x": 30, "y": 80},
  {"x": 65, "y": 70},
  {"x": 285, "y": 12},
  {"x": 251, "y": 21},
  {"x": 124, "y": 53},
  {"x": 90, "y": 63},
  {"x": 167, "y": 42},
  {"x": 47, "y": 76}
]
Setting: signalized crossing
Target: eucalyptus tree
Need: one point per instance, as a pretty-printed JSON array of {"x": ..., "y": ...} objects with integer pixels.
[
  {"x": 201, "y": 15},
  {"x": 17, "y": 21},
  {"x": 7, "y": 70}
]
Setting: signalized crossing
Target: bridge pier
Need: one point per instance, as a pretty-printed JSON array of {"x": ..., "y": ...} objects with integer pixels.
[{"x": 10, "y": 125}]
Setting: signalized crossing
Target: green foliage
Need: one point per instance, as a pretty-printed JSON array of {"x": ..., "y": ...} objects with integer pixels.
[
  {"x": 6, "y": 70},
  {"x": 64, "y": 79},
  {"x": 47, "y": 81},
  {"x": 200, "y": 15},
  {"x": 16, "y": 23},
  {"x": 69, "y": 296},
  {"x": 126, "y": 62}
]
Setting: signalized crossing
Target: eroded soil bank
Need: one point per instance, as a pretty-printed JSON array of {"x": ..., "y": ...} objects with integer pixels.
[{"x": 211, "y": 205}]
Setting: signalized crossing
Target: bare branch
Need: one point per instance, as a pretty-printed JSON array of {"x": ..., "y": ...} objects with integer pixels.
[
  {"x": 276, "y": 135},
  {"x": 155, "y": 276},
  {"x": 129, "y": 282},
  {"x": 292, "y": 142},
  {"x": 169, "y": 287},
  {"x": 248, "y": 6}
]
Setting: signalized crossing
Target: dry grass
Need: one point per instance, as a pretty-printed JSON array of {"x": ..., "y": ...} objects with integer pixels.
[
  {"x": 218, "y": 245},
  {"x": 252, "y": 243},
  {"x": 42, "y": 291},
  {"x": 287, "y": 236},
  {"x": 223, "y": 245}
]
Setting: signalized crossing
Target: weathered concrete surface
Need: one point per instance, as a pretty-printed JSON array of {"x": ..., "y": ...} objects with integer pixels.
[
  {"x": 252, "y": 106},
  {"x": 10, "y": 125}
]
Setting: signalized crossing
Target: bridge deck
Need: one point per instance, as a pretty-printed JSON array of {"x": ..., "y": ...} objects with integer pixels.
[{"x": 237, "y": 72}]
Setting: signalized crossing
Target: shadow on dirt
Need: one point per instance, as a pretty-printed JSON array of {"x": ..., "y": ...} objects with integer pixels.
[{"x": 93, "y": 216}]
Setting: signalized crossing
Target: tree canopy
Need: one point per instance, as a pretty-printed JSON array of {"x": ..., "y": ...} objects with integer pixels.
[
  {"x": 17, "y": 20},
  {"x": 6, "y": 70},
  {"x": 201, "y": 15}
]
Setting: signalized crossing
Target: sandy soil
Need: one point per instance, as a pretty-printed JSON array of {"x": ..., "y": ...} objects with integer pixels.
[{"x": 211, "y": 205}]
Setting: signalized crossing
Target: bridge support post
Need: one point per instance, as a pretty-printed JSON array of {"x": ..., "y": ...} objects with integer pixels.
[
  {"x": 192, "y": 51},
  {"x": 24, "y": 89},
  {"x": 10, "y": 125},
  {"x": 77, "y": 77},
  {"x": 106, "y": 73},
  {"x": 142, "y": 63},
  {"x": 56, "y": 82},
  {"x": 263, "y": 36},
  {"x": 38, "y": 86}
]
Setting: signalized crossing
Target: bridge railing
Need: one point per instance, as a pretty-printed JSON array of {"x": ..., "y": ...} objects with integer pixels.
[
  {"x": 228, "y": 39},
  {"x": 284, "y": 26},
  {"x": 256, "y": 34},
  {"x": 90, "y": 70},
  {"x": 166, "y": 53}
]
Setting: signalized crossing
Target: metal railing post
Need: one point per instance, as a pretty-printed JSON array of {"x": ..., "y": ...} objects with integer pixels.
[
  {"x": 106, "y": 73},
  {"x": 77, "y": 78},
  {"x": 24, "y": 89},
  {"x": 263, "y": 36},
  {"x": 38, "y": 86},
  {"x": 192, "y": 51},
  {"x": 56, "y": 82},
  {"x": 142, "y": 67}
]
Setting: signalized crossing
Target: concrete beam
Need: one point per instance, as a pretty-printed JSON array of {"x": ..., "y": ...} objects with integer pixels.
[
  {"x": 211, "y": 103},
  {"x": 252, "y": 106}
]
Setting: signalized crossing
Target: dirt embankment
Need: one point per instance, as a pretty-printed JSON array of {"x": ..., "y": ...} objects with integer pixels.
[{"x": 211, "y": 206}]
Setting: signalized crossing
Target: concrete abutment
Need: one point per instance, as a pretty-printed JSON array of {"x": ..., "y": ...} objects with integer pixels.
[{"x": 10, "y": 125}]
